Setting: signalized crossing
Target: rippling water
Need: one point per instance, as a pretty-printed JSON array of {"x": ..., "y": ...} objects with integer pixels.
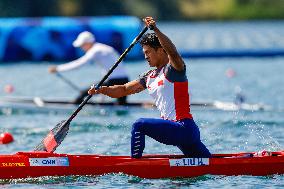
[{"x": 107, "y": 130}]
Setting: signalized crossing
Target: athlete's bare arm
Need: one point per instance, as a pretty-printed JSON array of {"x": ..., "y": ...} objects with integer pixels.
[
  {"x": 118, "y": 91},
  {"x": 174, "y": 57}
]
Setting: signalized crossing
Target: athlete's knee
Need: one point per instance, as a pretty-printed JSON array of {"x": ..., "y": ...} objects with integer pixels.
[{"x": 138, "y": 125}]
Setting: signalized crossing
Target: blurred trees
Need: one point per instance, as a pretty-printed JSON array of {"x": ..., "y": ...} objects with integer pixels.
[{"x": 161, "y": 9}]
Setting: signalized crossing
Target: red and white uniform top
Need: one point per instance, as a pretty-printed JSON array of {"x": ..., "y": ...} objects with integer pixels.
[{"x": 169, "y": 88}]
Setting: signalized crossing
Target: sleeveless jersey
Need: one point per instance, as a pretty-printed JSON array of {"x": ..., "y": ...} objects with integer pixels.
[{"x": 169, "y": 88}]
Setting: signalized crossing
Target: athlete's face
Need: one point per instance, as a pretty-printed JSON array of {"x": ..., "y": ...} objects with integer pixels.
[{"x": 153, "y": 56}]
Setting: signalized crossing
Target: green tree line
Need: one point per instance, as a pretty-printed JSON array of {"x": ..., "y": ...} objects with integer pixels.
[{"x": 160, "y": 9}]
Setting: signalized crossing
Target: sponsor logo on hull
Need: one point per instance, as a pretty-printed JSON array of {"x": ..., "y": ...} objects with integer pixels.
[
  {"x": 13, "y": 164},
  {"x": 51, "y": 161}
]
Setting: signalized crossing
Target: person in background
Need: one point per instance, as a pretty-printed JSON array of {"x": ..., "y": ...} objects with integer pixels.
[
  {"x": 167, "y": 83},
  {"x": 240, "y": 97},
  {"x": 103, "y": 55}
]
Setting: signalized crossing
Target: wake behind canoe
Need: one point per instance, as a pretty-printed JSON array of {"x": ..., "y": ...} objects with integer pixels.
[{"x": 36, "y": 164}]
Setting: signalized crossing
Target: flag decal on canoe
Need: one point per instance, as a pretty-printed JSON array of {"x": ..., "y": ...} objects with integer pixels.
[{"x": 188, "y": 162}]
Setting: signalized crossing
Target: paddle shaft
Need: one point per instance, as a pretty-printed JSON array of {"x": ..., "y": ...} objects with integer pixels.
[
  {"x": 107, "y": 75},
  {"x": 68, "y": 82}
]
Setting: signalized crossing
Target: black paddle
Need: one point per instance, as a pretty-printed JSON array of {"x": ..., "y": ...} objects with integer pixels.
[
  {"x": 70, "y": 83},
  {"x": 58, "y": 133}
]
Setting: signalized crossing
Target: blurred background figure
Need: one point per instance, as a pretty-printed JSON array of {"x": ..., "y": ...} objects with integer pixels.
[
  {"x": 240, "y": 97},
  {"x": 103, "y": 55}
]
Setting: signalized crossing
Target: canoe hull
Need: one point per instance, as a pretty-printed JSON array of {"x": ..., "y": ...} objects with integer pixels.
[{"x": 36, "y": 164}]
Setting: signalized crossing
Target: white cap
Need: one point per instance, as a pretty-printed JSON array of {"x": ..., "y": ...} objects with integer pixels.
[{"x": 84, "y": 37}]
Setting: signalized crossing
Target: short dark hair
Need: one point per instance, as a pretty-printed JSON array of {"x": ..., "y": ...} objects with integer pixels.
[{"x": 150, "y": 39}]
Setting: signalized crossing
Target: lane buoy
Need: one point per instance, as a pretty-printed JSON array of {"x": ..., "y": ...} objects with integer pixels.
[
  {"x": 230, "y": 73},
  {"x": 9, "y": 88},
  {"x": 6, "y": 138}
]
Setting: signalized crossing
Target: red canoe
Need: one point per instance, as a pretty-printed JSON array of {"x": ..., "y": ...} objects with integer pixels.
[{"x": 36, "y": 164}]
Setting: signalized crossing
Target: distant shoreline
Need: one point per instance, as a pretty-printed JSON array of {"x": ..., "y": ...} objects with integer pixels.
[{"x": 163, "y": 10}]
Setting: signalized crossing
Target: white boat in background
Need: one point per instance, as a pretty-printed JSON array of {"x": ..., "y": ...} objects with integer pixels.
[
  {"x": 230, "y": 106},
  {"x": 63, "y": 105},
  {"x": 8, "y": 105}
]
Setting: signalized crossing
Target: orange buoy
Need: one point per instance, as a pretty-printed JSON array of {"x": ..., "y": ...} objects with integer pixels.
[
  {"x": 6, "y": 138},
  {"x": 230, "y": 73},
  {"x": 8, "y": 88}
]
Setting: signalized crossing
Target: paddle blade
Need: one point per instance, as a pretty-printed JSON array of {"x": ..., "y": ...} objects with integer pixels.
[{"x": 54, "y": 138}]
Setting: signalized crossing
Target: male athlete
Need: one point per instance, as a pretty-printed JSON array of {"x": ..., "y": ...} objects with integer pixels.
[
  {"x": 96, "y": 53},
  {"x": 168, "y": 85}
]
